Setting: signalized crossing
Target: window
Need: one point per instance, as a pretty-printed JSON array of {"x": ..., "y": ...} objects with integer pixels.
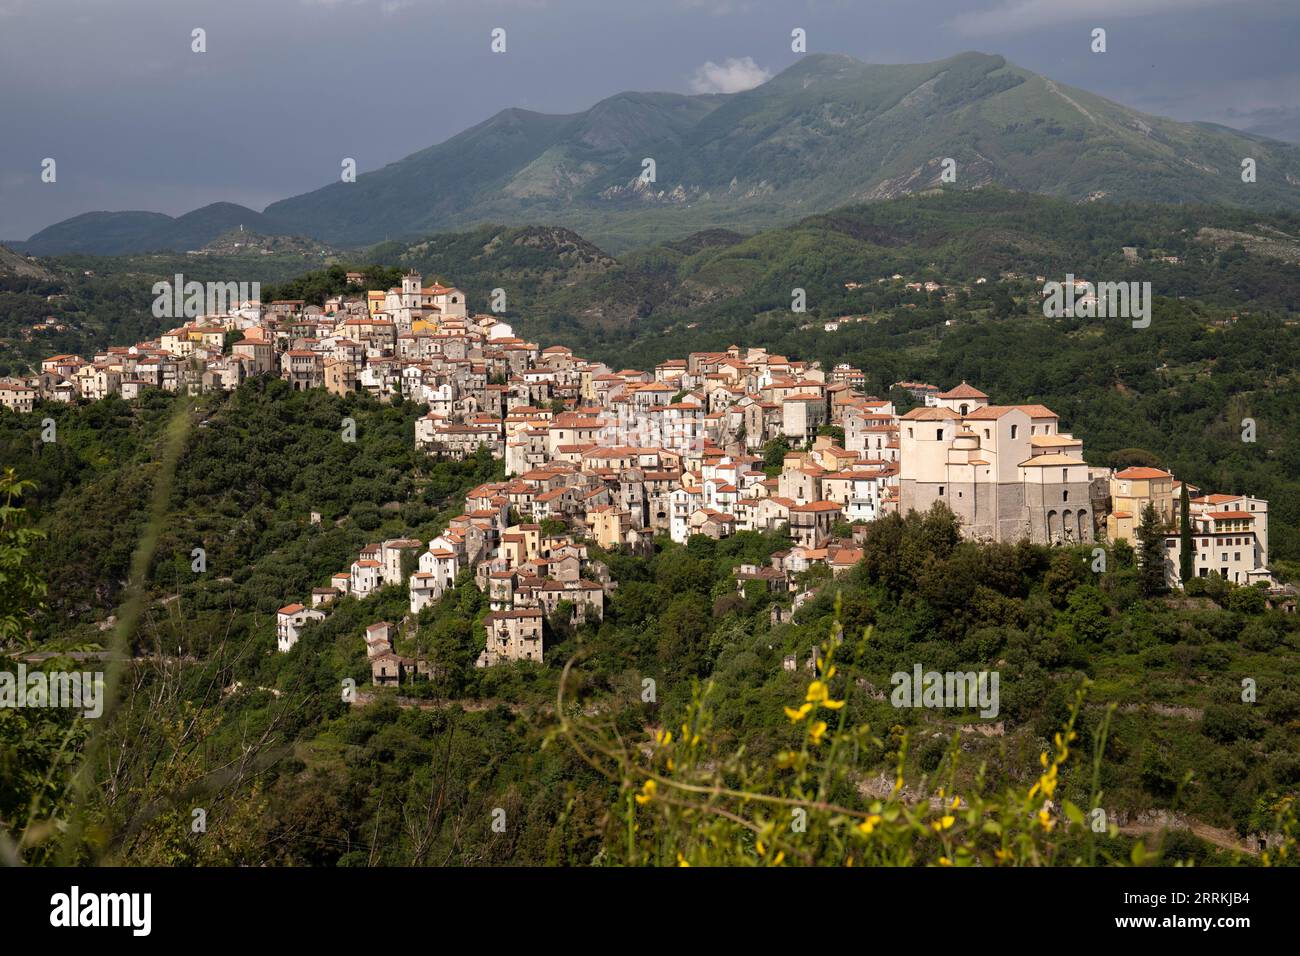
[
  {"x": 1014, "y": 430},
  {"x": 938, "y": 434},
  {"x": 1065, "y": 496},
  {"x": 1065, "y": 475},
  {"x": 941, "y": 492}
]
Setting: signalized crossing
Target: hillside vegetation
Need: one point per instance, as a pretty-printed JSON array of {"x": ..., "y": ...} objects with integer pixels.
[{"x": 291, "y": 774}]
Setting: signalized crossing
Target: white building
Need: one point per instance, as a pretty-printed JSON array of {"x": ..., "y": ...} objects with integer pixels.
[{"x": 289, "y": 621}]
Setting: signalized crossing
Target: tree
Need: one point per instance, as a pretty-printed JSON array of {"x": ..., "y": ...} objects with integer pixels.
[
  {"x": 1186, "y": 558},
  {"x": 1151, "y": 554},
  {"x": 21, "y": 587},
  {"x": 774, "y": 455}
]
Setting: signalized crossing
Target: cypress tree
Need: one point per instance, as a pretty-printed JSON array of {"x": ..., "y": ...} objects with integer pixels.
[
  {"x": 1151, "y": 554},
  {"x": 1186, "y": 556}
]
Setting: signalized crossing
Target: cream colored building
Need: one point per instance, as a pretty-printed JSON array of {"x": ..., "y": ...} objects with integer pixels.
[
  {"x": 1229, "y": 538},
  {"x": 512, "y": 636},
  {"x": 1007, "y": 471},
  {"x": 1131, "y": 490},
  {"x": 20, "y": 398}
]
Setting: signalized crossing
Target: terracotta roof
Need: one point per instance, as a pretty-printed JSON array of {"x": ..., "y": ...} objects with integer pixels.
[
  {"x": 932, "y": 415},
  {"x": 1142, "y": 473},
  {"x": 963, "y": 390}
]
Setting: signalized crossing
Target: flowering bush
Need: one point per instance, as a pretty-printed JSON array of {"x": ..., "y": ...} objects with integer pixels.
[{"x": 686, "y": 800}]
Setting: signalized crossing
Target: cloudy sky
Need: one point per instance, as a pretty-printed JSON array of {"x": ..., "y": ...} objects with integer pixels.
[{"x": 135, "y": 120}]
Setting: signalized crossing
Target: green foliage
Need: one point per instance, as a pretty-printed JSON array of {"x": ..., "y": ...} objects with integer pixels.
[
  {"x": 1186, "y": 547},
  {"x": 315, "y": 287},
  {"x": 1151, "y": 553},
  {"x": 21, "y": 587}
]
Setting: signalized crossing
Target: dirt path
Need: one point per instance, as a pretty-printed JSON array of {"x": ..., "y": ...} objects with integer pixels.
[{"x": 1223, "y": 839}]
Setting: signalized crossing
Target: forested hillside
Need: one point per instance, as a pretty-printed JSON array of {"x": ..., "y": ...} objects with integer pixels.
[
  {"x": 289, "y": 773},
  {"x": 78, "y": 304},
  {"x": 586, "y": 765}
]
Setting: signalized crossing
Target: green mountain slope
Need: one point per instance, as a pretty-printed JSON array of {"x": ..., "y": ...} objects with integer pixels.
[
  {"x": 829, "y": 130},
  {"x": 120, "y": 233}
]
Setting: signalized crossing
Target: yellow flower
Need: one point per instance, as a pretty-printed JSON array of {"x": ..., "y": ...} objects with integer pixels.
[
  {"x": 819, "y": 693},
  {"x": 776, "y": 860},
  {"x": 1047, "y": 782},
  {"x": 956, "y": 802},
  {"x": 681, "y": 860},
  {"x": 944, "y": 823},
  {"x": 1045, "y": 819},
  {"x": 869, "y": 824},
  {"x": 944, "y": 861},
  {"x": 664, "y": 738},
  {"x": 816, "y": 730},
  {"x": 647, "y": 792},
  {"x": 762, "y": 850},
  {"x": 798, "y": 715}
]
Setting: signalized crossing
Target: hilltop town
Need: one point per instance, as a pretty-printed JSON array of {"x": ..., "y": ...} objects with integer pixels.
[{"x": 711, "y": 444}]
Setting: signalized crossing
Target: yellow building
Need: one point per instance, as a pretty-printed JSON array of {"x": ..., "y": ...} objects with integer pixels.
[{"x": 1131, "y": 490}]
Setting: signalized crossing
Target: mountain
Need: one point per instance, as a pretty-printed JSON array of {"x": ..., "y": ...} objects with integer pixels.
[
  {"x": 828, "y": 131},
  {"x": 119, "y": 233},
  {"x": 13, "y": 265},
  {"x": 517, "y": 166}
]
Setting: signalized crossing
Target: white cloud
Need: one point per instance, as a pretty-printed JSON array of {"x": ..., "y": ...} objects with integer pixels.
[
  {"x": 730, "y": 76},
  {"x": 1019, "y": 16}
]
